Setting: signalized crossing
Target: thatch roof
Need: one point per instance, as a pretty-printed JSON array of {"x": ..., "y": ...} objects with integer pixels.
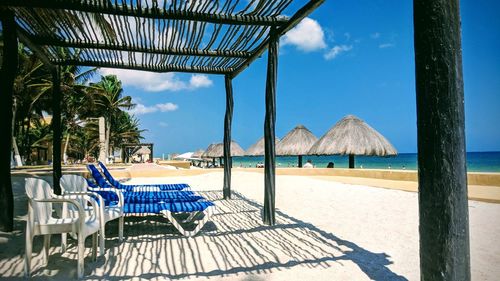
[
  {"x": 352, "y": 136},
  {"x": 217, "y": 150},
  {"x": 257, "y": 149},
  {"x": 198, "y": 153},
  {"x": 143, "y": 150},
  {"x": 297, "y": 142}
]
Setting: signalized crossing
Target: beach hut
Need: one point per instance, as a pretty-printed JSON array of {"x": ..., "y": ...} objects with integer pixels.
[
  {"x": 352, "y": 136},
  {"x": 296, "y": 143},
  {"x": 257, "y": 149},
  {"x": 198, "y": 153},
  {"x": 216, "y": 150}
]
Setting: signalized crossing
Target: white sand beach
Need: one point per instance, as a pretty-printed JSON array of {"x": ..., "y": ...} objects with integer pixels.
[{"x": 325, "y": 231}]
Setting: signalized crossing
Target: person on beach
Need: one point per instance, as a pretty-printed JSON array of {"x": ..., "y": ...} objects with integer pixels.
[
  {"x": 330, "y": 165},
  {"x": 308, "y": 164}
]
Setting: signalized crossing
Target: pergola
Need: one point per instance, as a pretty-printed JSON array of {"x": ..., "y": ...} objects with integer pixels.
[{"x": 224, "y": 37}]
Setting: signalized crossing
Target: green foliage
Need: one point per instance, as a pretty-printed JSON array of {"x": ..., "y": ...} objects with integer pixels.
[{"x": 81, "y": 102}]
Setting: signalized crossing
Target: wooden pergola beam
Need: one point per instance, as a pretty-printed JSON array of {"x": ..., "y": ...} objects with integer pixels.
[
  {"x": 152, "y": 12},
  {"x": 294, "y": 20},
  {"x": 34, "y": 47},
  {"x": 127, "y": 48},
  {"x": 228, "y": 117},
  {"x": 152, "y": 68},
  {"x": 442, "y": 171}
]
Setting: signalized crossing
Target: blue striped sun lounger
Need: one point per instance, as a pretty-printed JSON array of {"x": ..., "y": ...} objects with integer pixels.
[
  {"x": 113, "y": 181},
  {"x": 167, "y": 204},
  {"x": 102, "y": 181}
]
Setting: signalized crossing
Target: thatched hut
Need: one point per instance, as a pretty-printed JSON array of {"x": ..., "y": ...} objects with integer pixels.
[
  {"x": 352, "y": 136},
  {"x": 216, "y": 150},
  {"x": 296, "y": 143},
  {"x": 257, "y": 149},
  {"x": 198, "y": 153}
]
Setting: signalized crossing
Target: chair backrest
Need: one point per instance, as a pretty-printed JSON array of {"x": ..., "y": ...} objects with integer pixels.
[
  {"x": 100, "y": 180},
  {"x": 74, "y": 183},
  {"x": 39, "y": 189},
  {"x": 108, "y": 175}
]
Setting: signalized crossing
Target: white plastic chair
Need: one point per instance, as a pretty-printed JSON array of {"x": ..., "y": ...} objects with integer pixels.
[
  {"x": 77, "y": 185},
  {"x": 41, "y": 222}
]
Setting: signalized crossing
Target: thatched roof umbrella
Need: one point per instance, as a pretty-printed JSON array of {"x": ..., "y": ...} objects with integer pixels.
[
  {"x": 296, "y": 143},
  {"x": 352, "y": 136},
  {"x": 216, "y": 150},
  {"x": 198, "y": 153},
  {"x": 257, "y": 149}
]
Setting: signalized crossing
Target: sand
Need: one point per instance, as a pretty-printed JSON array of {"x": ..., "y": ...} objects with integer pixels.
[{"x": 325, "y": 230}]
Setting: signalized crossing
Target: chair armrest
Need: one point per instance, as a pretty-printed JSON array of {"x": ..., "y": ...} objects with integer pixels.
[
  {"x": 81, "y": 212},
  {"x": 86, "y": 196}
]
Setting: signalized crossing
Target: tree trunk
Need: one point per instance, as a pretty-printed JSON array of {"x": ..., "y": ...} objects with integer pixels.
[
  {"x": 65, "y": 152},
  {"x": 17, "y": 156},
  {"x": 108, "y": 134}
]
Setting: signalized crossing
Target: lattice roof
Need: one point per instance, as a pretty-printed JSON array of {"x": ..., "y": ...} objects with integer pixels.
[{"x": 204, "y": 36}]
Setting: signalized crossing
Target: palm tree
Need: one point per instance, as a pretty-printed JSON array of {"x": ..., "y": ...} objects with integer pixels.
[{"x": 111, "y": 102}]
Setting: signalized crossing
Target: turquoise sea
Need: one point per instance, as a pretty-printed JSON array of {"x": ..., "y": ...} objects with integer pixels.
[{"x": 476, "y": 161}]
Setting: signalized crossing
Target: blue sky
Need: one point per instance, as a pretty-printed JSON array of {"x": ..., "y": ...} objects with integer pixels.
[{"x": 344, "y": 59}]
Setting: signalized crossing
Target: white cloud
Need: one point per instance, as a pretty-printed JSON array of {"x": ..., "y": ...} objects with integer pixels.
[
  {"x": 141, "y": 109},
  {"x": 200, "y": 81},
  {"x": 165, "y": 107},
  {"x": 375, "y": 35},
  {"x": 337, "y": 50},
  {"x": 307, "y": 36},
  {"x": 386, "y": 45},
  {"x": 157, "y": 82}
]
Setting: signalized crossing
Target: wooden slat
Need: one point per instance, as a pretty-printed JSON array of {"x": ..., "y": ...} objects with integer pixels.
[
  {"x": 169, "y": 68},
  {"x": 154, "y": 13}
]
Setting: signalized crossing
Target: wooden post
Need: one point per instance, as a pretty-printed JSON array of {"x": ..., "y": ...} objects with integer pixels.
[
  {"x": 227, "y": 138},
  {"x": 56, "y": 129},
  {"x": 442, "y": 173},
  {"x": 269, "y": 132},
  {"x": 351, "y": 161},
  {"x": 8, "y": 74},
  {"x": 300, "y": 161}
]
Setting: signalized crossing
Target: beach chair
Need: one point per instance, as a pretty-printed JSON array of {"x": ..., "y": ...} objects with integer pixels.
[
  {"x": 171, "y": 212},
  {"x": 77, "y": 185},
  {"x": 109, "y": 177},
  {"x": 102, "y": 182},
  {"x": 40, "y": 221}
]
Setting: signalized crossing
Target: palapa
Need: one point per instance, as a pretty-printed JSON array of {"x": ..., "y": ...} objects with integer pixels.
[
  {"x": 352, "y": 136},
  {"x": 296, "y": 143},
  {"x": 257, "y": 149},
  {"x": 216, "y": 150}
]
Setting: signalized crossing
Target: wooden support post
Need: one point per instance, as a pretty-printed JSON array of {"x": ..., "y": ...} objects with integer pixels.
[
  {"x": 7, "y": 74},
  {"x": 227, "y": 138},
  {"x": 269, "y": 132},
  {"x": 351, "y": 161},
  {"x": 442, "y": 173},
  {"x": 56, "y": 129},
  {"x": 300, "y": 161}
]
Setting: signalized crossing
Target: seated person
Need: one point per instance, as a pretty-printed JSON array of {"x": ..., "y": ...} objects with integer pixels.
[{"x": 308, "y": 164}]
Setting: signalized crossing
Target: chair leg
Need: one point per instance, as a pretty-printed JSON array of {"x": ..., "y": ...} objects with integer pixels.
[
  {"x": 28, "y": 253},
  {"x": 94, "y": 246},
  {"x": 81, "y": 252},
  {"x": 121, "y": 221},
  {"x": 46, "y": 247},
  {"x": 64, "y": 242}
]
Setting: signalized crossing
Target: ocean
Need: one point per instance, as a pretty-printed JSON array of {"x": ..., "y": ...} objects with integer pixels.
[{"x": 476, "y": 161}]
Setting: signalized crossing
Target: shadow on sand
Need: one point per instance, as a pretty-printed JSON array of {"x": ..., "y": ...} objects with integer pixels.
[{"x": 234, "y": 244}]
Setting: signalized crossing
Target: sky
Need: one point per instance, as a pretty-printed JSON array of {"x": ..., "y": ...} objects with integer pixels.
[{"x": 345, "y": 58}]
